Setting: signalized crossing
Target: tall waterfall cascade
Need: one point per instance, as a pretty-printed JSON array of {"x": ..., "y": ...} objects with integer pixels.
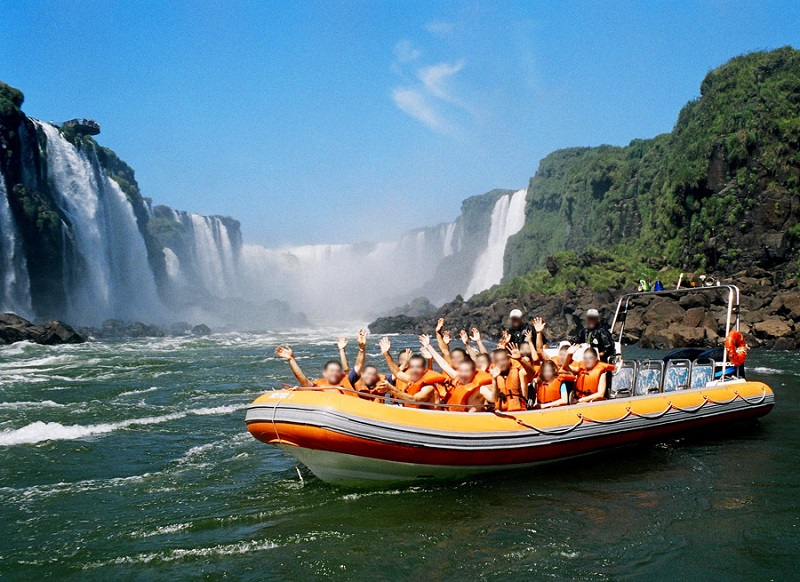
[
  {"x": 508, "y": 218},
  {"x": 121, "y": 258},
  {"x": 14, "y": 282}
]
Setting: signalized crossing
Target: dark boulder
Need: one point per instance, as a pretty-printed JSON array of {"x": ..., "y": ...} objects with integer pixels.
[
  {"x": 14, "y": 328},
  {"x": 201, "y": 330}
]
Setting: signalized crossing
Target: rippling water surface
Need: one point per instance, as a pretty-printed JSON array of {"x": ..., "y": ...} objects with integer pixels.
[{"x": 130, "y": 460}]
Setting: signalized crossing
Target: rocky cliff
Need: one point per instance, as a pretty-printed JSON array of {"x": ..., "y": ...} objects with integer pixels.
[{"x": 719, "y": 194}]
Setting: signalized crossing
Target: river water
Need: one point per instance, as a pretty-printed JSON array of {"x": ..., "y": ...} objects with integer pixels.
[{"x": 129, "y": 460}]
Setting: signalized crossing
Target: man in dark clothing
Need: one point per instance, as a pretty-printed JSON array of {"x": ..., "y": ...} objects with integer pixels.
[
  {"x": 596, "y": 335},
  {"x": 517, "y": 327}
]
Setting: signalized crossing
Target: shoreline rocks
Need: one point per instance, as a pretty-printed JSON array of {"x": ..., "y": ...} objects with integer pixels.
[
  {"x": 770, "y": 315},
  {"x": 14, "y": 328}
]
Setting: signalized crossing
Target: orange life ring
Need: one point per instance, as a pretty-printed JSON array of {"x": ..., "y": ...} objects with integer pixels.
[{"x": 736, "y": 348}]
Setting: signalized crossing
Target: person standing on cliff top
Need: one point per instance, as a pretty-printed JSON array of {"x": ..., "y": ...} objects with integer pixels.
[
  {"x": 596, "y": 335},
  {"x": 517, "y": 328}
]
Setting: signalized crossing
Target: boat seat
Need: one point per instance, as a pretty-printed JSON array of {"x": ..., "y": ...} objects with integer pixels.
[
  {"x": 676, "y": 375},
  {"x": 702, "y": 373},
  {"x": 648, "y": 377},
  {"x": 623, "y": 381}
]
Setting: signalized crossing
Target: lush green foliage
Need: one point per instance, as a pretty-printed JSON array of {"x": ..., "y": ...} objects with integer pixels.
[{"x": 697, "y": 198}]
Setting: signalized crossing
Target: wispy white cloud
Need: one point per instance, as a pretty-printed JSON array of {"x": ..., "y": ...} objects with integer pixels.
[
  {"x": 440, "y": 27},
  {"x": 435, "y": 77},
  {"x": 406, "y": 52},
  {"x": 417, "y": 104}
]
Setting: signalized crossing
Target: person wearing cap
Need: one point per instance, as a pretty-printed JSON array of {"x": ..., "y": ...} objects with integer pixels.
[
  {"x": 596, "y": 335},
  {"x": 517, "y": 328}
]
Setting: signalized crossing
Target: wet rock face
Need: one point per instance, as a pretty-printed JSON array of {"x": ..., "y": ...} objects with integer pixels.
[
  {"x": 770, "y": 315},
  {"x": 16, "y": 329}
]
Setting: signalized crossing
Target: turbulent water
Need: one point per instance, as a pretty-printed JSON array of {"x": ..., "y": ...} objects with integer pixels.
[{"x": 130, "y": 460}]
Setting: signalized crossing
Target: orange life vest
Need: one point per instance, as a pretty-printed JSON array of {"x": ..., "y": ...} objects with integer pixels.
[
  {"x": 512, "y": 398},
  {"x": 461, "y": 393},
  {"x": 588, "y": 381},
  {"x": 551, "y": 391},
  {"x": 344, "y": 383},
  {"x": 362, "y": 387},
  {"x": 430, "y": 378}
]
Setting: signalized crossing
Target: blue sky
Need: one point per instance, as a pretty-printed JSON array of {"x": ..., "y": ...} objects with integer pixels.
[{"x": 347, "y": 121}]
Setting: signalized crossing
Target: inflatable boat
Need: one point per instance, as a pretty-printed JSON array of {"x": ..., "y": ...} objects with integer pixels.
[{"x": 352, "y": 441}]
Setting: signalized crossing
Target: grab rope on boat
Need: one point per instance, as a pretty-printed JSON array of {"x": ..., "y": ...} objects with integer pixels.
[{"x": 630, "y": 412}]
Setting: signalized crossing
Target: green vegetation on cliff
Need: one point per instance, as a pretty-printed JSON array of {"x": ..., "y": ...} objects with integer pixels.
[{"x": 719, "y": 193}]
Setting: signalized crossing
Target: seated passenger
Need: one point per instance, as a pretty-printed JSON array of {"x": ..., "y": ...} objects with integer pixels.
[
  {"x": 373, "y": 383},
  {"x": 332, "y": 373},
  {"x": 420, "y": 382},
  {"x": 467, "y": 387},
  {"x": 590, "y": 384},
  {"x": 509, "y": 382},
  {"x": 551, "y": 387}
]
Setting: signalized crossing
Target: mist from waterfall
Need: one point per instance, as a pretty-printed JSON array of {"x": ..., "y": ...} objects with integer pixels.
[
  {"x": 14, "y": 281},
  {"x": 508, "y": 218}
]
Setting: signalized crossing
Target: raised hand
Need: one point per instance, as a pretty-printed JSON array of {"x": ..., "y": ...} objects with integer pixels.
[
  {"x": 425, "y": 353},
  {"x": 464, "y": 337},
  {"x": 504, "y": 339},
  {"x": 513, "y": 351},
  {"x": 341, "y": 343},
  {"x": 446, "y": 337},
  {"x": 527, "y": 335},
  {"x": 573, "y": 348},
  {"x": 494, "y": 371},
  {"x": 385, "y": 345},
  {"x": 425, "y": 340},
  {"x": 476, "y": 334},
  {"x": 361, "y": 339},
  {"x": 539, "y": 324},
  {"x": 440, "y": 324},
  {"x": 284, "y": 352}
]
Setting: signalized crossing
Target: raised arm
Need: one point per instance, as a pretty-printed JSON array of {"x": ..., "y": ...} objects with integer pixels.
[
  {"x": 386, "y": 347},
  {"x": 427, "y": 355},
  {"x": 476, "y": 337},
  {"x": 473, "y": 353},
  {"x": 513, "y": 351},
  {"x": 341, "y": 343},
  {"x": 538, "y": 326},
  {"x": 425, "y": 342},
  {"x": 568, "y": 364},
  {"x": 361, "y": 358},
  {"x": 286, "y": 353},
  {"x": 440, "y": 335}
]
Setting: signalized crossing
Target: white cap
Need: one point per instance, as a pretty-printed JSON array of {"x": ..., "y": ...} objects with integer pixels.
[
  {"x": 564, "y": 344},
  {"x": 516, "y": 314},
  {"x": 592, "y": 313}
]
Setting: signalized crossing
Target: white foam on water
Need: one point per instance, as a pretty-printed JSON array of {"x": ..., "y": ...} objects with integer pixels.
[
  {"x": 176, "y": 554},
  {"x": 46, "y": 490},
  {"x": 136, "y": 392},
  {"x": 54, "y": 431},
  {"x": 766, "y": 370},
  {"x": 31, "y": 404},
  {"x": 160, "y": 531}
]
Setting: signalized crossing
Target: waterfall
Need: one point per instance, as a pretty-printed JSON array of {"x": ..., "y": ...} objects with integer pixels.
[
  {"x": 508, "y": 218},
  {"x": 14, "y": 282},
  {"x": 204, "y": 272},
  {"x": 109, "y": 274}
]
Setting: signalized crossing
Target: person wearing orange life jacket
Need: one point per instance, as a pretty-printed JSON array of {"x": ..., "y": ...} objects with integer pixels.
[
  {"x": 591, "y": 373},
  {"x": 468, "y": 387},
  {"x": 483, "y": 362},
  {"x": 421, "y": 383},
  {"x": 510, "y": 383},
  {"x": 394, "y": 367},
  {"x": 551, "y": 386},
  {"x": 333, "y": 374}
]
